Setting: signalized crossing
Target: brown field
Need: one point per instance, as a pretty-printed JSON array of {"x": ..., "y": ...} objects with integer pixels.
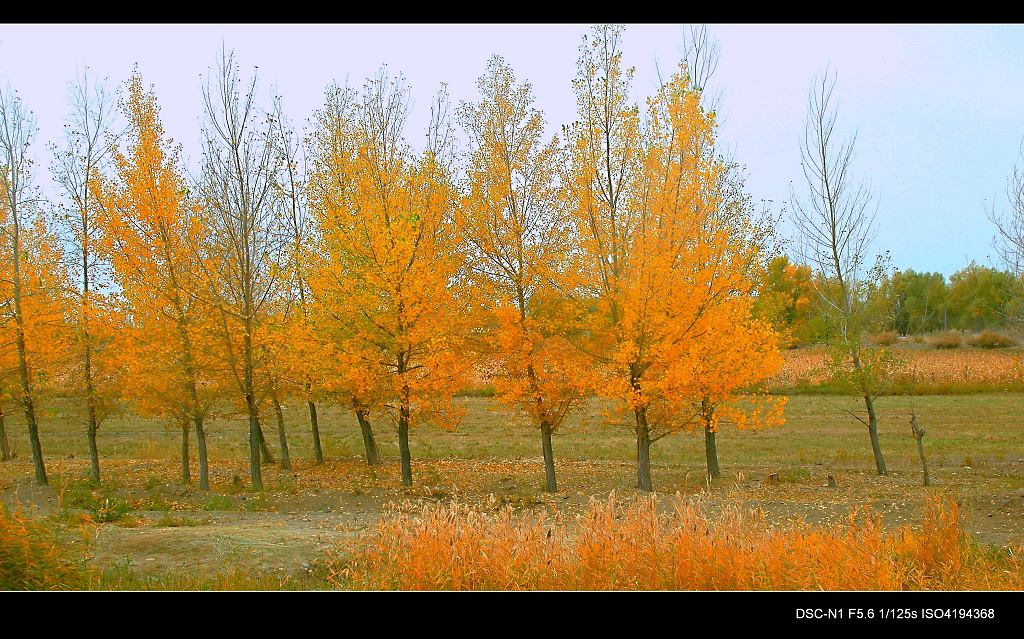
[{"x": 920, "y": 369}]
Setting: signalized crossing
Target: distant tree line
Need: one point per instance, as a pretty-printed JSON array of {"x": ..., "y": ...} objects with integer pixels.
[{"x": 975, "y": 298}]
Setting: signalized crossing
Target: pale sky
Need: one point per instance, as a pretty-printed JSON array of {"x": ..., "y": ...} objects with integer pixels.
[{"x": 939, "y": 108}]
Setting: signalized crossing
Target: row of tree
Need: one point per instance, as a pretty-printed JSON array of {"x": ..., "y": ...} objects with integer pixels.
[
  {"x": 909, "y": 302},
  {"x": 344, "y": 265}
]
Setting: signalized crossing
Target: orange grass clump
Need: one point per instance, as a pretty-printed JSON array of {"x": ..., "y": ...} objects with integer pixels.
[
  {"x": 32, "y": 557},
  {"x": 635, "y": 547}
]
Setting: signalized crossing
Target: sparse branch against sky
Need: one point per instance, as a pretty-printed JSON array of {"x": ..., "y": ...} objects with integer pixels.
[{"x": 936, "y": 107}]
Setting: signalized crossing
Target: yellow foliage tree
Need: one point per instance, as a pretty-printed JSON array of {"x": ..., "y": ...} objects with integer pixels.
[
  {"x": 149, "y": 234},
  {"x": 33, "y": 281},
  {"x": 658, "y": 262},
  {"x": 520, "y": 244},
  {"x": 389, "y": 277},
  {"x": 93, "y": 365}
]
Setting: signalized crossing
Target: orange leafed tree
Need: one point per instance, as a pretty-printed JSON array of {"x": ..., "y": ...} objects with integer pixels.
[
  {"x": 34, "y": 336},
  {"x": 390, "y": 275},
  {"x": 658, "y": 262},
  {"x": 149, "y": 235},
  {"x": 93, "y": 367},
  {"x": 520, "y": 243},
  {"x": 346, "y": 367},
  {"x": 720, "y": 377},
  {"x": 31, "y": 286},
  {"x": 302, "y": 349}
]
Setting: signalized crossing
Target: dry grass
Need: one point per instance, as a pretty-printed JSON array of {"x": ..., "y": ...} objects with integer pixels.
[
  {"x": 33, "y": 557},
  {"x": 946, "y": 340},
  {"x": 991, "y": 339},
  {"x": 635, "y": 547},
  {"x": 887, "y": 338},
  {"x": 920, "y": 370}
]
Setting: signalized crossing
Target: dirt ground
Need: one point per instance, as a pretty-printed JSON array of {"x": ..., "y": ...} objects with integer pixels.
[
  {"x": 975, "y": 447},
  {"x": 285, "y": 532}
]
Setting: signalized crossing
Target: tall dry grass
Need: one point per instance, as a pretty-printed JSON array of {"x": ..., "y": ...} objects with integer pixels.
[
  {"x": 34, "y": 557},
  {"x": 634, "y": 547}
]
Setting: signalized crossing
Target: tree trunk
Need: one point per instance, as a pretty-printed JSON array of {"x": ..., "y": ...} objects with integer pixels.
[
  {"x": 265, "y": 455},
  {"x": 643, "y": 452},
  {"x": 186, "y": 472},
  {"x": 550, "y": 485},
  {"x": 24, "y": 378},
  {"x": 314, "y": 425},
  {"x": 193, "y": 392},
  {"x": 256, "y": 444},
  {"x": 5, "y": 446},
  {"x": 286, "y": 460},
  {"x": 369, "y": 443},
  {"x": 919, "y": 436},
  {"x": 204, "y": 468},
  {"x": 30, "y": 414},
  {"x": 711, "y": 453},
  {"x": 403, "y": 446},
  {"x": 94, "y": 451},
  {"x": 876, "y": 448}
]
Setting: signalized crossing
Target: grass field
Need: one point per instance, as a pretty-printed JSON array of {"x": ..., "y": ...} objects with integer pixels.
[{"x": 157, "y": 528}]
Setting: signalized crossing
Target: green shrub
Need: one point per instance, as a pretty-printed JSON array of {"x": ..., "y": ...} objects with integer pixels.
[{"x": 104, "y": 508}]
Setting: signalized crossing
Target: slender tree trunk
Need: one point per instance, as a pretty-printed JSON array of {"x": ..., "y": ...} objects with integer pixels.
[
  {"x": 710, "y": 444},
  {"x": 403, "y": 444},
  {"x": 286, "y": 460},
  {"x": 24, "y": 378},
  {"x": 266, "y": 456},
  {"x": 257, "y": 444},
  {"x": 94, "y": 451},
  {"x": 369, "y": 443},
  {"x": 204, "y": 468},
  {"x": 193, "y": 393},
  {"x": 5, "y": 446},
  {"x": 919, "y": 436},
  {"x": 92, "y": 423},
  {"x": 28, "y": 401},
  {"x": 876, "y": 448},
  {"x": 314, "y": 425},
  {"x": 711, "y": 453},
  {"x": 550, "y": 484},
  {"x": 186, "y": 472},
  {"x": 643, "y": 452}
]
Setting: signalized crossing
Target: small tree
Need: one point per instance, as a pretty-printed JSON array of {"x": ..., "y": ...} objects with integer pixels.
[
  {"x": 94, "y": 369},
  {"x": 244, "y": 254},
  {"x": 520, "y": 243},
  {"x": 390, "y": 274},
  {"x": 19, "y": 209},
  {"x": 149, "y": 235},
  {"x": 836, "y": 224}
]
